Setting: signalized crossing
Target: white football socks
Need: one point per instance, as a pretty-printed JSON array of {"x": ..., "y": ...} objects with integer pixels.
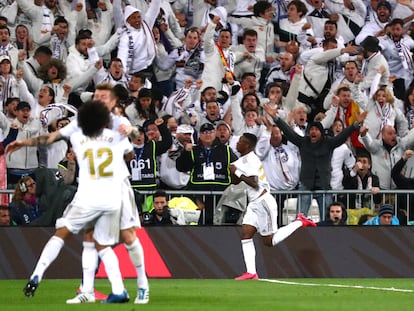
[
  {"x": 136, "y": 253},
  {"x": 284, "y": 232},
  {"x": 112, "y": 269},
  {"x": 49, "y": 254},
  {"x": 249, "y": 254},
  {"x": 89, "y": 265}
]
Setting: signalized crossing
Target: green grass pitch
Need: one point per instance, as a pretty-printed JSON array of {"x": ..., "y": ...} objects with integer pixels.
[{"x": 220, "y": 295}]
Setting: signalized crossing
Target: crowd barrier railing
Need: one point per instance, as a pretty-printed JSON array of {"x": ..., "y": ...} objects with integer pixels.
[{"x": 289, "y": 204}]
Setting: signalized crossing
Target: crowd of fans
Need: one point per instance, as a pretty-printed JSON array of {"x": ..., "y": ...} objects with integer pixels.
[{"x": 194, "y": 75}]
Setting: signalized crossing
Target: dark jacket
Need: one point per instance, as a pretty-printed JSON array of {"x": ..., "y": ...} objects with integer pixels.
[
  {"x": 315, "y": 173},
  {"x": 403, "y": 200},
  {"x": 145, "y": 158},
  {"x": 352, "y": 183},
  {"x": 165, "y": 220},
  {"x": 22, "y": 213},
  {"x": 219, "y": 155},
  {"x": 53, "y": 196}
]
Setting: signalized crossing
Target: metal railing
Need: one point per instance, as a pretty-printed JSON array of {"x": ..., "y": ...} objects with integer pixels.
[{"x": 400, "y": 199}]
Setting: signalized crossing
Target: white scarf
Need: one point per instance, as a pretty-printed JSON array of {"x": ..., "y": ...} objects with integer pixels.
[
  {"x": 4, "y": 50},
  {"x": 55, "y": 44},
  {"x": 151, "y": 47},
  {"x": 383, "y": 113},
  {"x": 6, "y": 88},
  {"x": 405, "y": 55},
  {"x": 359, "y": 200},
  {"x": 47, "y": 19}
]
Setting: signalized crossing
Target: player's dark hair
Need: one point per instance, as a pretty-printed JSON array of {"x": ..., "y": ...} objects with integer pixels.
[
  {"x": 93, "y": 117},
  {"x": 251, "y": 138}
]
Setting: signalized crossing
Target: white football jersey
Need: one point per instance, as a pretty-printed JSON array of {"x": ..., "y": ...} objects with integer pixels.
[
  {"x": 250, "y": 165},
  {"x": 101, "y": 169},
  {"x": 116, "y": 121}
]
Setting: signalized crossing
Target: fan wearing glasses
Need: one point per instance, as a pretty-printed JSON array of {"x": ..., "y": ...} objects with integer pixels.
[{"x": 24, "y": 207}]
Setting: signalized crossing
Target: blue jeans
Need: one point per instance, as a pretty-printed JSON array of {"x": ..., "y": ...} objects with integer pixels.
[{"x": 305, "y": 201}]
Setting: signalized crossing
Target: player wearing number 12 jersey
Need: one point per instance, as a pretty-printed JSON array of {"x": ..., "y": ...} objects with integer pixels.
[
  {"x": 129, "y": 214},
  {"x": 97, "y": 203}
]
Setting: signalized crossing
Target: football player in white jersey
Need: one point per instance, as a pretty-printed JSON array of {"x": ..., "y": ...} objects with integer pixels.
[
  {"x": 261, "y": 211},
  {"x": 129, "y": 212},
  {"x": 97, "y": 202}
]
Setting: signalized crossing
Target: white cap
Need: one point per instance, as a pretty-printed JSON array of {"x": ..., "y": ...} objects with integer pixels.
[
  {"x": 4, "y": 57},
  {"x": 221, "y": 122},
  {"x": 184, "y": 129},
  {"x": 129, "y": 10}
]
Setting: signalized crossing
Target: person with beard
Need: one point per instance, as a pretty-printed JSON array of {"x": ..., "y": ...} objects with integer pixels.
[
  {"x": 350, "y": 16},
  {"x": 316, "y": 154},
  {"x": 374, "y": 62},
  {"x": 336, "y": 215},
  {"x": 396, "y": 48},
  {"x": 376, "y": 26},
  {"x": 317, "y": 18},
  {"x": 362, "y": 178},
  {"x": 160, "y": 215},
  {"x": 330, "y": 32},
  {"x": 78, "y": 64}
]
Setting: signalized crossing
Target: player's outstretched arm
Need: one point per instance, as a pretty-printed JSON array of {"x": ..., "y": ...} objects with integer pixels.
[{"x": 41, "y": 140}]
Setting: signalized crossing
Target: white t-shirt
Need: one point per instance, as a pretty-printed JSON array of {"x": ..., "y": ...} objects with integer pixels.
[{"x": 101, "y": 176}]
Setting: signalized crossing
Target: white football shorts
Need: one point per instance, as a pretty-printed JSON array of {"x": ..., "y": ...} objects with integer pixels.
[{"x": 262, "y": 214}]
